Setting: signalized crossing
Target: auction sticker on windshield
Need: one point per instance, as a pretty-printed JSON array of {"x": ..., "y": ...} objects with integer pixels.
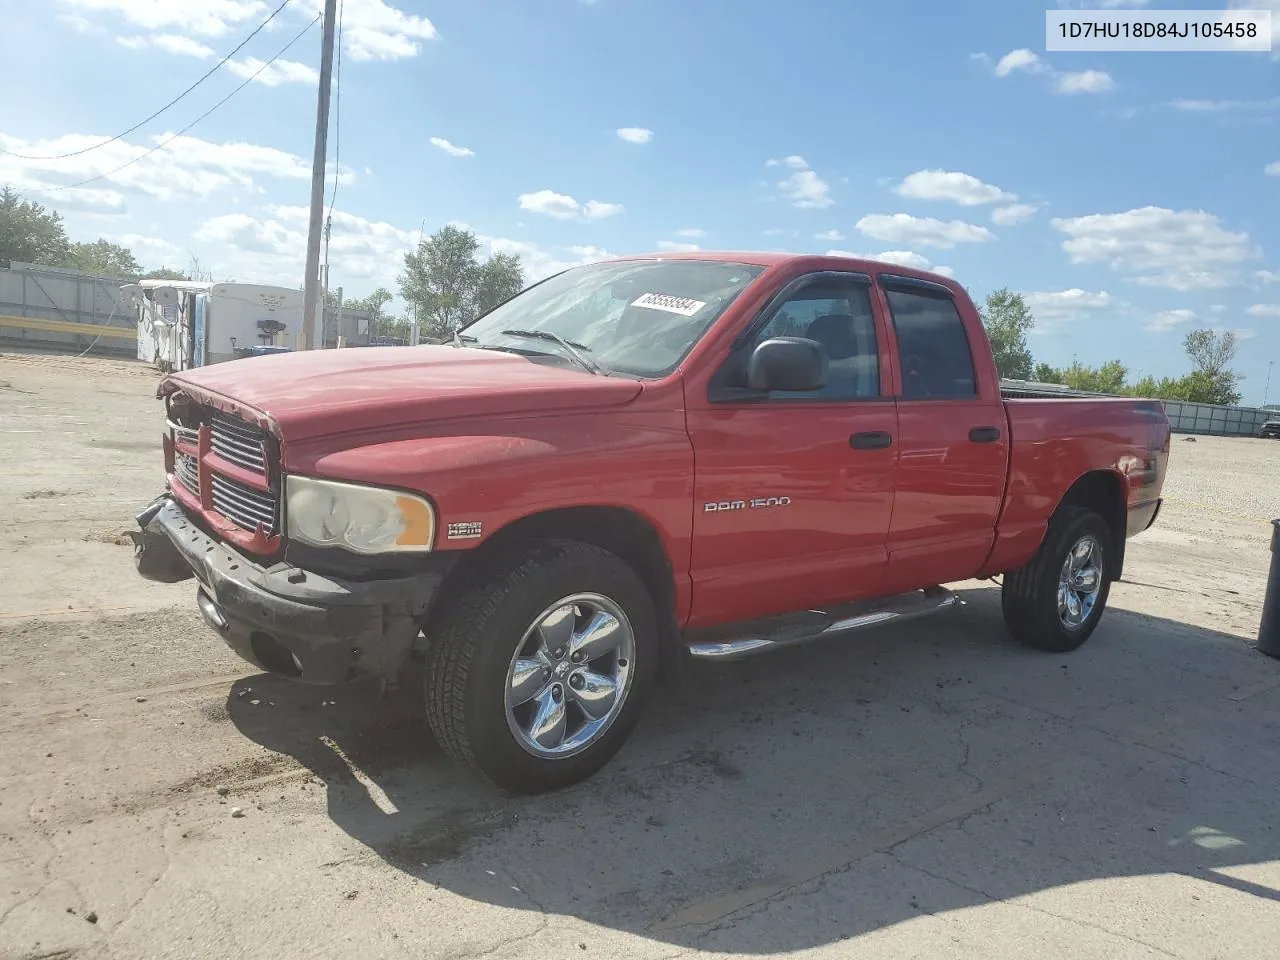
[{"x": 684, "y": 306}]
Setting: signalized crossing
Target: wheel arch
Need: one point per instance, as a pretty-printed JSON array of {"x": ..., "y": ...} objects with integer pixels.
[
  {"x": 623, "y": 532},
  {"x": 1103, "y": 492}
]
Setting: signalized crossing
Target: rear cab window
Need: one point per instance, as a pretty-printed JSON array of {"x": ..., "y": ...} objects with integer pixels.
[{"x": 934, "y": 354}]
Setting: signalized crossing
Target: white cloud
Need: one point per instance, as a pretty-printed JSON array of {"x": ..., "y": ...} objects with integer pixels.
[
  {"x": 677, "y": 246},
  {"x": 1268, "y": 276},
  {"x": 1084, "y": 81},
  {"x": 901, "y": 258},
  {"x": 922, "y": 231},
  {"x": 207, "y": 18},
  {"x": 1053, "y": 308},
  {"x": 598, "y": 209},
  {"x": 1067, "y": 301},
  {"x": 133, "y": 43},
  {"x": 591, "y": 254},
  {"x": 1168, "y": 320},
  {"x": 182, "y": 46},
  {"x": 635, "y": 134},
  {"x": 961, "y": 188},
  {"x": 1264, "y": 310},
  {"x": 452, "y": 149},
  {"x": 692, "y": 233},
  {"x": 188, "y": 168},
  {"x": 152, "y": 251},
  {"x": 371, "y": 29},
  {"x": 832, "y": 235},
  {"x": 1218, "y": 308},
  {"x": 1013, "y": 214},
  {"x": 1181, "y": 250},
  {"x": 1021, "y": 59},
  {"x": 550, "y": 204},
  {"x": 804, "y": 188},
  {"x": 560, "y": 206},
  {"x": 1025, "y": 60},
  {"x": 375, "y": 30},
  {"x": 1273, "y": 169},
  {"x": 1224, "y": 106},
  {"x": 275, "y": 73},
  {"x": 76, "y": 22}
]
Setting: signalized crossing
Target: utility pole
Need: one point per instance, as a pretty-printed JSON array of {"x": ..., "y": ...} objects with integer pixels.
[
  {"x": 1266, "y": 391},
  {"x": 311, "y": 281}
]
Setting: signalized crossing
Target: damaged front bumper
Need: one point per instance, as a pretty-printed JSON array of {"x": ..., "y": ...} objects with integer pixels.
[{"x": 288, "y": 621}]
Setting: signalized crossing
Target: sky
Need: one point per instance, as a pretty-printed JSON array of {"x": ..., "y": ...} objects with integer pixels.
[{"x": 1130, "y": 197}]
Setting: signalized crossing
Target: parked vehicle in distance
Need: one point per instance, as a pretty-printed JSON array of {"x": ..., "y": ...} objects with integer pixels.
[
  {"x": 630, "y": 464},
  {"x": 1270, "y": 430}
]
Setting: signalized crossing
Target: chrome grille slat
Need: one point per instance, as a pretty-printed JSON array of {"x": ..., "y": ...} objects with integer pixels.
[
  {"x": 243, "y": 506},
  {"x": 262, "y": 508},
  {"x": 238, "y": 442},
  {"x": 239, "y": 457},
  {"x": 187, "y": 473}
]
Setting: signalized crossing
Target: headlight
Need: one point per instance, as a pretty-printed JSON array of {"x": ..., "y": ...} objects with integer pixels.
[{"x": 325, "y": 513}]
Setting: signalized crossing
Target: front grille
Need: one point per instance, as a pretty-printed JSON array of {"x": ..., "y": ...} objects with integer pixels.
[
  {"x": 230, "y": 441},
  {"x": 244, "y": 506},
  {"x": 238, "y": 442}
]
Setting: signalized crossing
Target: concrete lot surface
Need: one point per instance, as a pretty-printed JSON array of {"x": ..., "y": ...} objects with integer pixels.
[{"x": 931, "y": 791}]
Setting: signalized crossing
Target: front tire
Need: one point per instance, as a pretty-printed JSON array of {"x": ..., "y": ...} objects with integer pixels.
[
  {"x": 536, "y": 675},
  {"x": 1055, "y": 601}
]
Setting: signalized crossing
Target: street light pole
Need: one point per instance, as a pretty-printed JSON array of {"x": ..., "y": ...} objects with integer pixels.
[
  {"x": 311, "y": 280},
  {"x": 1266, "y": 391}
]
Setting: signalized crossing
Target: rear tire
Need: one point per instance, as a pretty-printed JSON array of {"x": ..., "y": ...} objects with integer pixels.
[
  {"x": 1055, "y": 601},
  {"x": 551, "y": 627}
]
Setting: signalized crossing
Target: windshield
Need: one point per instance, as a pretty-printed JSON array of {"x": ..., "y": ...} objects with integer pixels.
[{"x": 635, "y": 317}]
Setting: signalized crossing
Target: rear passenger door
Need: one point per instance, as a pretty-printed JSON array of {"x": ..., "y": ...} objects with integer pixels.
[{"x": 953, "y": 444}]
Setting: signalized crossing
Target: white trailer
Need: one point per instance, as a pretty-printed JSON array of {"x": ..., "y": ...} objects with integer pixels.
[{"x": 191, "y": 323}]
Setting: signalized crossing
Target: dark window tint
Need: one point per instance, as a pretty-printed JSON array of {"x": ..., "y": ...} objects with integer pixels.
[
  {"x": 839, "y": 317},
  {"x": 933, "y": 347}
]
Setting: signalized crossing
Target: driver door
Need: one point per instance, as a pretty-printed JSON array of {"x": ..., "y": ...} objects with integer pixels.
[{"x": 794, "y": 492}]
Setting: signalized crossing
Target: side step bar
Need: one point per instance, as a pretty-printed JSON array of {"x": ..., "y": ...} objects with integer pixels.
[{"x": 743, "y": 640}]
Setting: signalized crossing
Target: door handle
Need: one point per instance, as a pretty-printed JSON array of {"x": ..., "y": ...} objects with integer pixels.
[
  {"x": 871, "y": 440},
  {"x": 984, "y": 434}
]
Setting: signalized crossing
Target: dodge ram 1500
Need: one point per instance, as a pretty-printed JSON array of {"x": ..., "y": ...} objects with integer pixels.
[{"x": 629, "y": 464}]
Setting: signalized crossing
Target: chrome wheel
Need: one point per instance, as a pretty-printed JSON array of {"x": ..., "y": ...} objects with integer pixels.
[
  {"x": 1080, "y": 583},
  {"x": 570, "y": 676}
]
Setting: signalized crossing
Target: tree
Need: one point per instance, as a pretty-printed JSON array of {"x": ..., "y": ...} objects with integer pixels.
[
  {"x": 1008, "y": 319},
  {"x": 500, "y": 278},
  {"x": 374, "y": 304},
  {"x": 164, "y": 273},
  {"x": 29, "y": 233},
  {"x": 449, "y": 287},
  {"x": 1212, "y": 352},
  {"x": 1044, "y": 373},
  {"x": 104, "y": 257}
]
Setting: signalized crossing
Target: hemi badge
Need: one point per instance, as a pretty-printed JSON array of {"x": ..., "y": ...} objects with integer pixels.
[{"x": 468, "y": 530}]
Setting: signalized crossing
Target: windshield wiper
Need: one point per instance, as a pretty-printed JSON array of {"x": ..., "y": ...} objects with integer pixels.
[
  {"x": 458, "y": 338},
  {"x": 571, "y": 347}
]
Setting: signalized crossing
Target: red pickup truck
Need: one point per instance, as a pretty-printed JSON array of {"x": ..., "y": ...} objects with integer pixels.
[{"x": 628, "y": 464}]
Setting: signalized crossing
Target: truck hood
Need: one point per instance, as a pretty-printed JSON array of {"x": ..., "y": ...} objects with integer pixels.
[{"x": 320, "y": 393}]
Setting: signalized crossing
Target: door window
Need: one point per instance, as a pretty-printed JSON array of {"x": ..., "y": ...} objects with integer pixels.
[
  {"x": 838, "y": 316},
  {"x": 933, "y": 347}
]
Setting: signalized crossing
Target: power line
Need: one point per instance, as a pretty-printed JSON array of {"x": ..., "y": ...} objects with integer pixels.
[
  {"x": 141, "y": 123},
  {"x": 171, "y": 138}
]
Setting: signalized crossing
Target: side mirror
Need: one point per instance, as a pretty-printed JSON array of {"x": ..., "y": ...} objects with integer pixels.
[{"x": 787, "y": 363}]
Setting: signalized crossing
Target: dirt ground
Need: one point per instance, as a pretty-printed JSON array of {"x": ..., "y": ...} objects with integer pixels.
[{"x": 931, "y": 791}]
